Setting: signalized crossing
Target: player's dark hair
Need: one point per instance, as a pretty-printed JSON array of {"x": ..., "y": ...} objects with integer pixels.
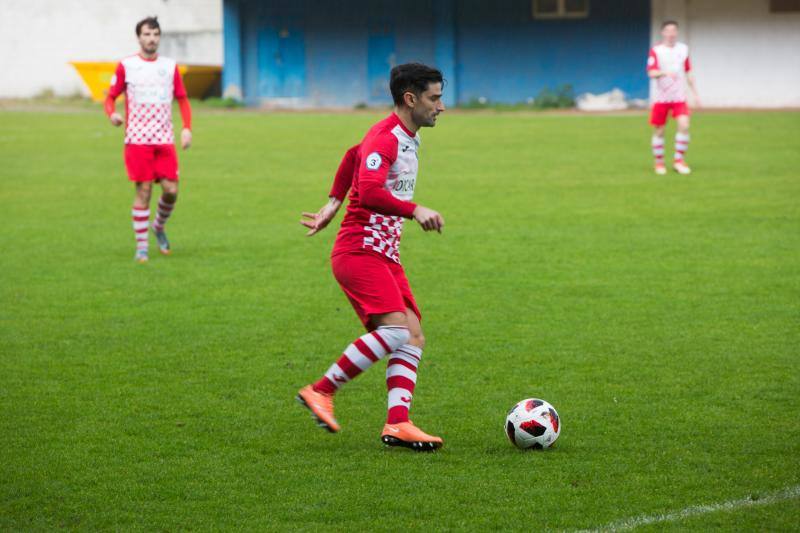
[
  {"x": 150, "y": 22},
  {"x": 669, "y": 23},
  {"x": 413, "y": 77}
]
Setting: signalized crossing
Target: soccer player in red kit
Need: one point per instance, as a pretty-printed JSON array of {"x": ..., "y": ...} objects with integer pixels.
[
  {"x": 669, "y": 68},
  {"x": 150, "y": 82},
  {"x": 381, "y": 173}
]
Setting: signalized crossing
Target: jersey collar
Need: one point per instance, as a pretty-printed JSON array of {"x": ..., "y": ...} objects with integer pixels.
[{"x": 403, "y": 126}]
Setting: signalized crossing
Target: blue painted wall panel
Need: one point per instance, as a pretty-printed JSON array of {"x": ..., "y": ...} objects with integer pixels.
[
  {"x": 491, "y": 49},
  {"x": 505, "y": 55},
  {"x": 281, "y": 60},
  {"x": 381, "y": 57},
  {"x": 250, "y": 80},
  {"x": 232, "y": 41},
  {"x": 445, "y": 42},
  {"x": 336, "y": 55}
]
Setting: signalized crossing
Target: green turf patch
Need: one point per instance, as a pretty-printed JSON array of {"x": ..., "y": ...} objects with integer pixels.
[{"x": 658, "y": 314}]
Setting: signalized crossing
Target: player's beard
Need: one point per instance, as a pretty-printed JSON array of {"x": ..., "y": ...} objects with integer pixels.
[{"x": 427, "y": 120}]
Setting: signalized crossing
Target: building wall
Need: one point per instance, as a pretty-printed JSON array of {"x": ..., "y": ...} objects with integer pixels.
[
  {"x": 743, "y": 55},
  {"x": 493, "y": 50},
  {"x": 506, "y": 55},
  {"x": 333, "y": 43},
  {"x": 40, "y": 37}
]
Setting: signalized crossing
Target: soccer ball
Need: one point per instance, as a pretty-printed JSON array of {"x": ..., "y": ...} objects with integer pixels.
[{"x": 532, "y": 423}]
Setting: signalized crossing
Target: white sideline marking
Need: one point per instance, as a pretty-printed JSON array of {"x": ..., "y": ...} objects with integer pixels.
[{"x": 625, "y": 524}]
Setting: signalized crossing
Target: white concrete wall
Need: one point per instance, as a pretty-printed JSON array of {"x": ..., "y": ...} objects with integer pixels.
[
  {"x": 39, "y": 37},
  {"x": 742, "y": 55}
]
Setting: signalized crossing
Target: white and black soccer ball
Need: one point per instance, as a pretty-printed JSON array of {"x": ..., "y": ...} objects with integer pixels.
[{"x": 533, "y": 423}]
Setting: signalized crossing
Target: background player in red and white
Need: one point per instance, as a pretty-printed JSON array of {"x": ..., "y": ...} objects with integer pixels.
[
  {"x": 381, "y": 174},
  {"x": 150, "y": 82},
  {"x": 669, "y": 69}
]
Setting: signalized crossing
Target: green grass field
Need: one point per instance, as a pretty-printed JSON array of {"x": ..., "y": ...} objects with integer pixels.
[{"x": 660, "y": 315}]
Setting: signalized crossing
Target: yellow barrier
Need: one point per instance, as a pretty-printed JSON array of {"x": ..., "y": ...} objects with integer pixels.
[{"x": 97, "y": 77}]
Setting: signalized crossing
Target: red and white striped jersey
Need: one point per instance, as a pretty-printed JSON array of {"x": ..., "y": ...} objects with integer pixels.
[
  {"x": 149, "y": 86},
  {"x": 674, "y": 62},
  {"x": 382, "y": 174}
]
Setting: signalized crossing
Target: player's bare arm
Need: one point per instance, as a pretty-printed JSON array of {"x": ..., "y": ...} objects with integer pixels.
[
  {"x": 316, "y": 222},
  {"x": 429, "y": 219}
]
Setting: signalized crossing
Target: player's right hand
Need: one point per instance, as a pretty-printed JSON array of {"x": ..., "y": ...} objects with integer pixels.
[
  {"x": 116, "y": 119},
  {"x": 318, "y": 221},
  {"x": 429, "y": 219}
]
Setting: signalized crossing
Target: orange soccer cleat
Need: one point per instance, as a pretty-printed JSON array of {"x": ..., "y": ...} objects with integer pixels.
[
  {"x": 321, "y": 407},
  {"x": 408, "y": 435}
]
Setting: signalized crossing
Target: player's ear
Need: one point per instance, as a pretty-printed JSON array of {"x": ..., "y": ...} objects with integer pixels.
[{"x": 410, "y": 99}]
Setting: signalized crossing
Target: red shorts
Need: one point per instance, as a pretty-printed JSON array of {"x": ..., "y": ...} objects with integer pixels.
[
  {"x": 374, "y": 285},
  {"x": 658, "y": 115},
  {"x": 148, "y": 162}
]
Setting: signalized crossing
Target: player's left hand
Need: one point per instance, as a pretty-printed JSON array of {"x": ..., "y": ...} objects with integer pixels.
[
  {"x": 186, "y": 138},
  {"x": 318, "y": 221}
]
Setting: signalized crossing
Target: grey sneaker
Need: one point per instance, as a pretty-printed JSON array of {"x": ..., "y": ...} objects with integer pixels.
[
  {"x": 163, "y": 242},
  {"x": 141, "y": 257}
]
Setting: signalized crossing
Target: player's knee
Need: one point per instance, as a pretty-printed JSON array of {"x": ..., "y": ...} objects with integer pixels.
[
  {"x": 144, "y": 189},
  {"x": 394, "y": 336},
  {"x": 416, "y": 339}
]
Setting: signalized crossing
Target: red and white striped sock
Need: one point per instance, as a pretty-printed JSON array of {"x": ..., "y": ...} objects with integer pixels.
[
  {"x": 361, "y": 355},
  {"x": 658, "y": 149},
  {"x": 401, "y": 378},
  {"x": 141, "y": 218},
  {"x": 681, "y": 145},
  {"x": 162, "y": 215}
]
